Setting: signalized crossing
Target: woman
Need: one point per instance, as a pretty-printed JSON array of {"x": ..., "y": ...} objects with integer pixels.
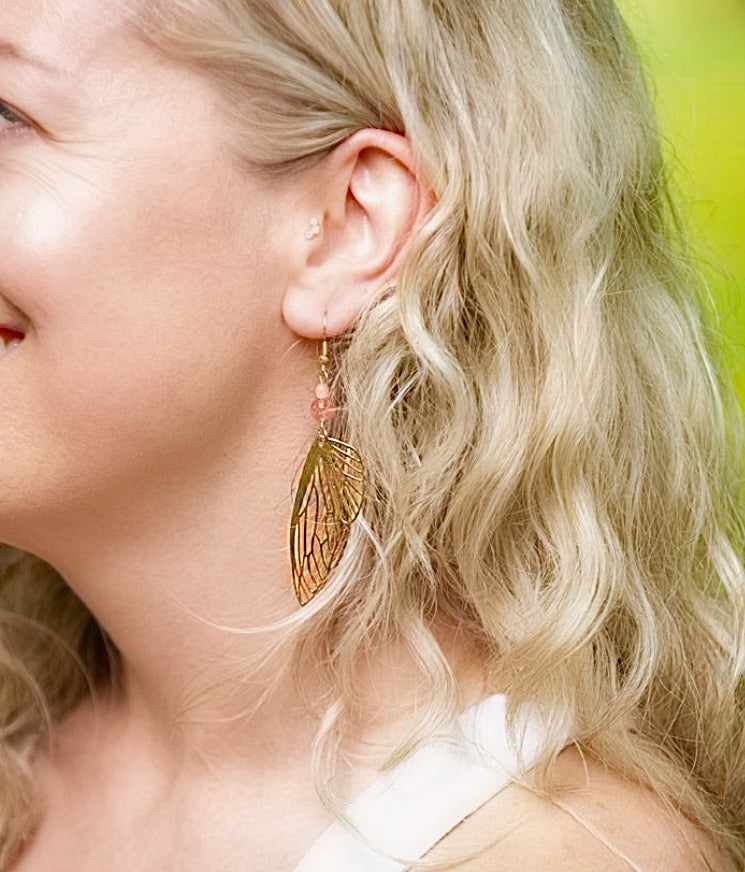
[{"x": 446, "y": 226}]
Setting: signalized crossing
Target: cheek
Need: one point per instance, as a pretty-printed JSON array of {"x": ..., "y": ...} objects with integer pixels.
[{"x": 149, "y": 315}]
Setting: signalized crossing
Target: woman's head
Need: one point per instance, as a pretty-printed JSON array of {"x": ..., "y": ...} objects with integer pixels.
[
  {"x": 525, "y": 374},
  {"x": 148, "y": 268}
]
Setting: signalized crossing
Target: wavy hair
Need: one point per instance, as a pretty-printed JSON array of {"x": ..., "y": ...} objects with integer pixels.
[{"x": 553, "y": 464}]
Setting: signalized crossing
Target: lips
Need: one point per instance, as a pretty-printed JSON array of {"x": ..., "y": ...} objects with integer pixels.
[
  {"x": 10, "y": 337},
  {"x": 9, "y": 341},
  {"x": 13, "y": 324}
]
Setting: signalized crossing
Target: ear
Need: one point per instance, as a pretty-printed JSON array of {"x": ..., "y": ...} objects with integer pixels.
[{"x": 361, "y": 204}]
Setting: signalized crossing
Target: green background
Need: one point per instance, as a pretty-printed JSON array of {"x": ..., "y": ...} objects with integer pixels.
[{"x": 694, "y": 54}]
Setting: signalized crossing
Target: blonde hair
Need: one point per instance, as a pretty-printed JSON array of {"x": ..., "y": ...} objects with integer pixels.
[{"x": 553, "y": 465}]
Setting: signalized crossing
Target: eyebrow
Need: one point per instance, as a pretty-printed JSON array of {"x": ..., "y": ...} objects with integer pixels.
[{"x": 15, "y": 52}]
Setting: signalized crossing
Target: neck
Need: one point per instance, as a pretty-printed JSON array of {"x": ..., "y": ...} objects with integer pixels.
[
  {"x": 181, "y": 570},
  {"x": 189, "y": 576}
]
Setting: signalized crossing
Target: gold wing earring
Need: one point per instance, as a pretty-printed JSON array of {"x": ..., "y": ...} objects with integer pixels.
[{"x": 329, "y": 497}]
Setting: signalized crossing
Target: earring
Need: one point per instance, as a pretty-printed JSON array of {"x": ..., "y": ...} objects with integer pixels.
[
  {"x": 329, "y": 497},
  {"x": 314, "y": 229}
]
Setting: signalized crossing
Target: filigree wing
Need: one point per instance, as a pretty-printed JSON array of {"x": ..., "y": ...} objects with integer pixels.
[{"x": 329, "y": 497}]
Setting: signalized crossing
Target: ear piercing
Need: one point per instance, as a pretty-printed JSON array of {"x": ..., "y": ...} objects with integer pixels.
[{"x": 314, "y": 229}]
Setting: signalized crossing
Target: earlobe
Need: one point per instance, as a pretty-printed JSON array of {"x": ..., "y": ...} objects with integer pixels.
[{"x": 367, "y": 198}]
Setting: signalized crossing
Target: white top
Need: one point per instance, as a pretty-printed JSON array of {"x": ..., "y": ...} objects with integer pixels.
[{"x": 405, "y": 812}]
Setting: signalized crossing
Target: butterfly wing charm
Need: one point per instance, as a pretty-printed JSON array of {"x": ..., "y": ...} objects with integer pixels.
[{"x": 329, "y": 497}]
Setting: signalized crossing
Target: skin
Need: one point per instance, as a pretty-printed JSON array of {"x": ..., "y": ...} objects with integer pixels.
[
  {"x": 598, "y": 821},
  {"x": 153, "y": 419}
]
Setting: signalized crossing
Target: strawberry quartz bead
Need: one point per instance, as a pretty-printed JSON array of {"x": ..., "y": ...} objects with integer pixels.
[{"x": 322, "y": 408}]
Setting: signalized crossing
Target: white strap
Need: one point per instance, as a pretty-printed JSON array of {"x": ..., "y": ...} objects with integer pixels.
[{"x": 407, "y": 811}]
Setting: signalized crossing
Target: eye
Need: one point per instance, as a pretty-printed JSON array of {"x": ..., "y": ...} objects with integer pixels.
[{"x": 10, "y": 120}]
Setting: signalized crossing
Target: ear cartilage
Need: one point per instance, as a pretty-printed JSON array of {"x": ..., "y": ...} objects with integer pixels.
[{"x": 314, "y": 229}]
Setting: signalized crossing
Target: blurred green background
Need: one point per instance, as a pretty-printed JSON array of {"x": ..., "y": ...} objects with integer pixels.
[{"x": 694, "y": 54}]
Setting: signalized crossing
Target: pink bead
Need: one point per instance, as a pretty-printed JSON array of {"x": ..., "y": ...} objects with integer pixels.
[
  {"x": 322, "y": 409},
  {"x": 322, "y": 391}
]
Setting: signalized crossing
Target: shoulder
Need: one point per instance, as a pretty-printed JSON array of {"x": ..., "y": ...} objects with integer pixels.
[{"x": 599, "y": 821}]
